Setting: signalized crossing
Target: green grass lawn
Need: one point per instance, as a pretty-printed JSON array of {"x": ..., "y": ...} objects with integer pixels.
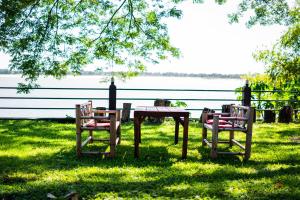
[{"x": 38, "y": 157}]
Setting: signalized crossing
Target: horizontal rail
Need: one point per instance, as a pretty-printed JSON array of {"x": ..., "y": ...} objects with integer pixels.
[
  {"x": 277, "y": 100},
  {"x": 126, "y": 89},
  {"x": 149, "y": 89},
  {"x": 23, "y": 97},
  {"x": 54, "y": 88},
  {"x": 274, "y": 91},
  {"x": 143, "y": 99},
  {"x": 138, "y": 99}
]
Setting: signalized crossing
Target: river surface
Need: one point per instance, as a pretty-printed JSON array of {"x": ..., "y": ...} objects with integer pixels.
[{"x": 95, "y": 81}]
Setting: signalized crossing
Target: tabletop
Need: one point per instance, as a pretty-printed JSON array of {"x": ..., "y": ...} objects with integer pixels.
[{"x": 160, "y": 109}]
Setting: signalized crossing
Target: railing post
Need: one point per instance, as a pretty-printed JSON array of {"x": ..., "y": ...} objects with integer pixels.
[
  {"x": 112, "y": 95},
  {"x": 246, "y": 101}
]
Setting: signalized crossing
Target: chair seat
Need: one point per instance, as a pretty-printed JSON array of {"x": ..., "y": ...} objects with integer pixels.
[{"x": 226, "y": 126}]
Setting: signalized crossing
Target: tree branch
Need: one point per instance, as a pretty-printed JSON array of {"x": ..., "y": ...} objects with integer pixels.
[
  {"x": 30, "y": 11},
  {"x": 77, "y": 4},
  {"x": 137, "y": 25},
  {"x": 109, "y": 21},
  {"x": 130, "y": 10},
  {"x": 48, "y": 21}
]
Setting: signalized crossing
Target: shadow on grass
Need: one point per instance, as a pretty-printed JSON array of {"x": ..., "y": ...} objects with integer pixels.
[
  {"x": 44, "y": 130},
  {"x": 155, "y": 173},
  {"x": 114, "y": 182}
]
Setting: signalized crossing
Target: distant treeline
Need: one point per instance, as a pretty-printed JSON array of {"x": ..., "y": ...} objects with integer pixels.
[
  {"x": 177, "y": 74},
  {"x": 6, "y": 71},
  {"x": 174, "y": 74}
]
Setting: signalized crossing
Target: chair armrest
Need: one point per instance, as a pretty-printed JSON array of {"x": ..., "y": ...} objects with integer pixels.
[
  {"x": 94, "y": 117},
  {"x": 111, "y": 112}
]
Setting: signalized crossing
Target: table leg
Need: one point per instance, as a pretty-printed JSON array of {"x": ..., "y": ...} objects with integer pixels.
[
  {"x": 137, "y": 135},
  {"x": 185, "y": 136},
  {"x": 176, "y": 130}
]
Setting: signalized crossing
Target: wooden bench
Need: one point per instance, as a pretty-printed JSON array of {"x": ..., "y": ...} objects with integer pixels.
[
  {"x": 87, "y": 120},
  {"x": 239, "y": 119}
]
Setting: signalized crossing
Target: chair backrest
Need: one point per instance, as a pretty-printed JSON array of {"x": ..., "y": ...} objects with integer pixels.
[
  {"x": 85, "y": 109},
  {"x": 241, "y": 112}
]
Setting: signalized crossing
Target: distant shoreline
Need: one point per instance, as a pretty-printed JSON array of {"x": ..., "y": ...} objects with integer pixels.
[{"x": 166, "y": 74}]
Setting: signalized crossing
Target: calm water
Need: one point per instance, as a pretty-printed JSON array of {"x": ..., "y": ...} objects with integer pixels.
[{"x": 95, "y": 82}]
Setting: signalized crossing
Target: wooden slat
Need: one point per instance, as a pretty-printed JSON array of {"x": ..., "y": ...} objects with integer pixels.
[
  {"x": 117, "y": 140},
  {"x": 207, "y": 142},
  {"x": 210, "y": 127},
  {"x": 234, "y": 118},
  {"x": 238, "y": 144},
  {"x": 94, "y": 128},
  {"x": 105, "y": 111},
  {"x": 86, "y": 141},
  {"x": 94, "y": 117}
]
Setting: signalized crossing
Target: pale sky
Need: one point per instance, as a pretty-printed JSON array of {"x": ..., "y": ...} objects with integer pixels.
[{"x": 209, "y": 44}]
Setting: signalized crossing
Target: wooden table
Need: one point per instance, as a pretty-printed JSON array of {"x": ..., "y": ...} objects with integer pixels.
[{"x": 180, "y": 116}]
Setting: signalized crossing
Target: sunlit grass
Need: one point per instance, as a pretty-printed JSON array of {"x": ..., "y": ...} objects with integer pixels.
[{"x": 38, "y": 157}]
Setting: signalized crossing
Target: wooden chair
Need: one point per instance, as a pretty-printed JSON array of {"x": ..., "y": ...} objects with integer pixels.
[
  {"x": 240, "y": 119},
  {"x": 86, "y": 119}
]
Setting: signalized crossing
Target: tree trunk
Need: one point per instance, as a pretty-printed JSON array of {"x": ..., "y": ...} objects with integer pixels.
[
  {"x": 285, "y": 114},
  {"x": 269, "y": 116},
  {"x": 126, "y": 112},
  {"x": 226, "y": 108}
]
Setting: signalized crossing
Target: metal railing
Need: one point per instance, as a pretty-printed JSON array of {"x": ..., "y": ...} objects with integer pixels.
[{"x": 22, "y": 97}]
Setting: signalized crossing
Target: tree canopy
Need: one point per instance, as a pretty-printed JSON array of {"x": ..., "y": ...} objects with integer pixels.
[{"x": 54, "y": 37}]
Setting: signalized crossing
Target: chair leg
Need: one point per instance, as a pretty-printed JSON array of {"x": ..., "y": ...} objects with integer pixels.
[
  {"x": 214, "y": 144},
  {"x": 176, "y": 131},
  {"x": 113, "y": 143},
  {"x": 248, "y": 145},
  {"x": 78, "y": 143},
  {"x": 231, "y": 137},
  {"x": 204, "y": 135},
  {"x": 119, "y": 134}
]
